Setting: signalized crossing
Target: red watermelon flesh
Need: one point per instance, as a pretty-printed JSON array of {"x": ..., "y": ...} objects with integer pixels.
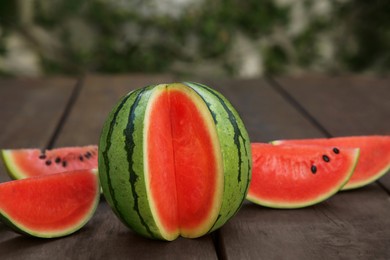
[
  {"x": 298, "y": 176},
  {"x": 181, "y": 164},
  {"x": 25, "y": 163},
  {"x": 50, "y": 205},
  {"x": 374, "y": 160}
]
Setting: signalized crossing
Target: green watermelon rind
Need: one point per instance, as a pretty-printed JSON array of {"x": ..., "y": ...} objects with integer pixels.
[
  {"x": 11, "y": 167},
  {"x": 19, "y": 228},
  {"x": 323, "y": 197},
  {"x": 235, "y": 161},
  {"x": 374, "y": 178},
  {"x": 129, "y": 202}
]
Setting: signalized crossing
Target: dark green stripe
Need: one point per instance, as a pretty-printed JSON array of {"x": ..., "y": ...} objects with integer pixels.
[
  {"x": 129, "y": 147},
  {"x": 105, "y": 155},
  {"x": 237, "y": 135}
]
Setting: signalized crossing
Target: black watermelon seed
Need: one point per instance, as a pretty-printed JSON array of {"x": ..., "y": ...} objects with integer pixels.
[
  {"x": 325, "y": 158},
  {"x": 81, "y": 158},
  {"x": 313, "y": 169},
  {"x": 48, "y": 162},
  {"x": 58, "y": 160},
  {"x": 336, "y": 151},
  {"x": 64, "y": 163},
  {"x": 42, "y": 156}
]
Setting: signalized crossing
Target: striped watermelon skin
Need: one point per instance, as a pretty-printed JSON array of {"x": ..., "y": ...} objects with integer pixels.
[
  {"x": 122, "y": 160},
  {"x": 238, "y": 161},
  {"x": 121, "y": 163}
]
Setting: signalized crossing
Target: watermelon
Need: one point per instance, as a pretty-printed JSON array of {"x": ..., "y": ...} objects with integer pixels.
[
  {"x": 25, "y": 163},
  {"x": 51, "y": 205},
  {"x": 174, "y": 160},
  {"x": 298, "y": 176},
  {"x": 374, "y": 160}
]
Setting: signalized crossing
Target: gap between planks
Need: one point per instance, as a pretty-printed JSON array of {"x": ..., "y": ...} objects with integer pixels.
[
  {"x": 301, "y": 109},
  {"x": 218, "y": 245},
  {"x": 65, "y": 114}
]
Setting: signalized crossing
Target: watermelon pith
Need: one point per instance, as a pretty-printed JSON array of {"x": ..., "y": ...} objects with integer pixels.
[
  {"x": 52, "y": 205},
  {"x": 298, "y": 176},
  {"x": 169, "y": 164},
  {"x": 374, "y": 160},
  {"x": 25, "y": 163}
]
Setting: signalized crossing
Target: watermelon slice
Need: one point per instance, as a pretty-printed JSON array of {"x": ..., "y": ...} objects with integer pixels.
[
  {"x": 298, "y": 176},
  {"x": 25, "y": 163},
  {"x": 50, "y": 205},
  {"x": 374, "y": 160}
]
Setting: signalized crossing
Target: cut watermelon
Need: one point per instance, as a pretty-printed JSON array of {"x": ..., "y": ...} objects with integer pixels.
[
  {"x": 25, "y": 163},
  {"x": 298, "y": 176},
  {"x": 50, "y": 205},
  {"x": 174, "y": 160},
  {"x": 374, "y": 160}
]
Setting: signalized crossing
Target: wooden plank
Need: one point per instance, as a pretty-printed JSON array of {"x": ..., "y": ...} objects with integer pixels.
[
  {"x": 354, "y": 105},
  {"x": 344, "y": 105},
  {"x": 264, "y": 112},
  {"x": 30, "y": 110},
  {"x": 105, "y": 236},
  {"x": 349, "y": 225}
]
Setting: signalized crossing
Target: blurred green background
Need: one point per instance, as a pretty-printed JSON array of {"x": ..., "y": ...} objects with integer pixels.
[{"x": 194, "y": 37}]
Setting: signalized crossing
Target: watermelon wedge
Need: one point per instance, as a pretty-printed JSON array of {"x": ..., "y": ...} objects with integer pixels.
[
  {"x": 25, "y": 163},
  {"x": 52, "y": 205},
  {"x": 298, "y": 176},
  {"x": 374, "y": 160}
]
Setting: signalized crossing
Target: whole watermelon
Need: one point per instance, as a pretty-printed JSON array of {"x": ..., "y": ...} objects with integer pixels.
[{"x": 174, "y": 160}]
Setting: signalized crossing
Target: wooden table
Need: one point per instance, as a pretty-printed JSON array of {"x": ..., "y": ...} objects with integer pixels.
[{"x": 55, "y": 112}]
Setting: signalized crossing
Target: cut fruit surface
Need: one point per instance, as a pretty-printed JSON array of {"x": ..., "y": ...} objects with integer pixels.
[
  {"x": 374, "y": 160},
  {"x": 25, "y": 163},
  {"x": 184, "y": 138},
  {"x": 50, "y": 205},
  {"x": 298, "y": 176}
]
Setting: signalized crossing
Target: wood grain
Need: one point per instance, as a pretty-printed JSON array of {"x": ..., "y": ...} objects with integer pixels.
[
  {"x": 344, "y": 105},
  {"x": 350, "y": 225}
]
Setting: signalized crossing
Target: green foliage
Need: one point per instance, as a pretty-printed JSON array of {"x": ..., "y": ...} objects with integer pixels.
[
  {"x": 305, "y": 43},
  {"x": 275, "y": 60},
  {"x": 7, "y": 14},
  {"x": 206, "y": 32},
  {"x": 369, "y": 22},
  {"x": 213, "y": 24}
]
